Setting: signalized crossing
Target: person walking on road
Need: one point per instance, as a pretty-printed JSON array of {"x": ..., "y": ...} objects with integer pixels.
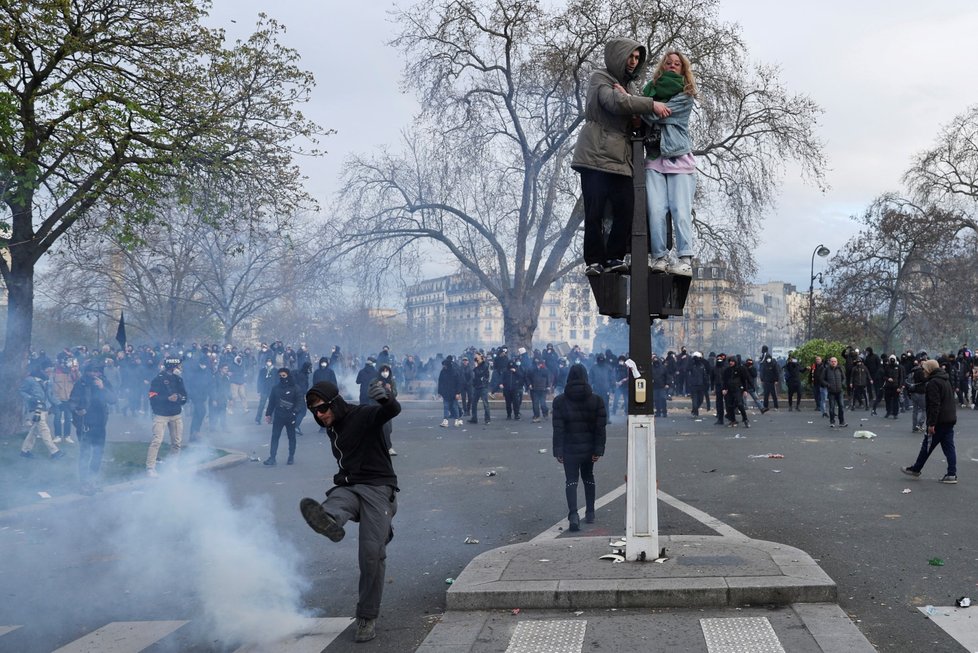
[
  {"x": 365, "y": 487},
  {"x": 834, "y": 381},
  {"x": 167, "y": 395},
  {"x": 580, "y": 418},
  {"x": 36, "y": 391},
  {"x": 283, "y": 405},
  {"x": 941, "y": 417}
]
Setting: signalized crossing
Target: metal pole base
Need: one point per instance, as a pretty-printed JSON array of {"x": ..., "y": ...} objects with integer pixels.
[{"x": 642, "y": 520}]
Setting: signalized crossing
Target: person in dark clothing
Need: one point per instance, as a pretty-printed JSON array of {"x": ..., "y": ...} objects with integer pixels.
[
  {"x": 941, "y": 418},
  {"x": 385, "y": 375},
  {"x": 465, "y": 372},
  {"x": 324, "y": 372},
  {"x": 720, "y": 365},
  {"x": 579, "y": 422},
  {"x": 792, "y": 379},
  {"x": 266, "y": 381},
  {"x": 751, "y": 385},
  {"x": 697, "y": 381},
  {"x": 366, "y": 376},
  {"x": 661, "y": 382},
  {"x": 167, "y": 395},
  {"x": 735, "y": 382},
  {"x": 538, "y": 380},
  {"x": 834, "y": 381},
  {"x": 512, "y": 383},
  {"x": 199, "y": 381},
  {"x": 480, "y": 388},
  {"x": 450, "y": 388},
  {"x": 859, "y": 382},
  {"x": 365, "y": 487},
  {"x": 770, "y": 380},
  {"x": 283, "y": 404},
  {"x": 301, "y": 378},
  {"x": 916, "y": 385},
  {"x": 220, "y": 396},
  {"x": 90, "y": 400},
  {"x": 892, "y": 387}
]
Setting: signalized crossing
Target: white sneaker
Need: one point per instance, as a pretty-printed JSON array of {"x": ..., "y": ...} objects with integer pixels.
[
  {"x": 391, "y": 451},
  {"x": 70, "y": 440},
  {"x": 152, "y": 473},
  {"x": 458, "y": 422},
  {"x": 56, "y": 440},
  {"x": 444, "y": 423},
  {"x": 660, "y": 264},
  {"x": 683, "y": 268}
]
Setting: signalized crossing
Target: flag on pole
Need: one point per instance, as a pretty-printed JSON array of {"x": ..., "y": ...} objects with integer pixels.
[{"x": 120, "y": 332}]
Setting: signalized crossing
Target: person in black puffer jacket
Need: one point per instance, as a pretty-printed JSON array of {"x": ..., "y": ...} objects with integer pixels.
[{"x": 579, "y": 420}]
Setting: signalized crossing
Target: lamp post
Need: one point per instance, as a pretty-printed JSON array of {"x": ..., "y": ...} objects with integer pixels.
[{"x": 822, "y": 251}]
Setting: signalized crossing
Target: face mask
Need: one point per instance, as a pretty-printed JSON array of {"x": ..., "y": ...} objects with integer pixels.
[
  {"x": 268, "y": 365},
  {"x": 283, "y": 381},
  {"x": 322, "y": 365},
  {"x": 178, "y": 371},
  {"x": 385, "y": 374}
]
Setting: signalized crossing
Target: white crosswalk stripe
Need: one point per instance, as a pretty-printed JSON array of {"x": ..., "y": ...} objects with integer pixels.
[
  {"x": 959, "y": 623},
  {"x": 315, "y": 636},
  {"x": 135, "y": 636},
  {"x": 122, "y": 637}
]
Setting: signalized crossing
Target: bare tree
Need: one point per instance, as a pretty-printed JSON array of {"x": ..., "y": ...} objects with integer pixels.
[
  {"x": 946, "y": 175},
  {"x": 891, "y": 277},
  {"x": 484, "y": 173},
  {"x": 104, "y": 102}
]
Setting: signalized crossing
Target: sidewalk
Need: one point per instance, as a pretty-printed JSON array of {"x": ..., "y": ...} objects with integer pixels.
[{"x": 715, "y": 593}]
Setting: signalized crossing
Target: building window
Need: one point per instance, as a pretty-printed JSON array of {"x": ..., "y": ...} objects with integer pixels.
[
  {"x": 573, "y": 334},
  {"x": 587, "y": 334}
]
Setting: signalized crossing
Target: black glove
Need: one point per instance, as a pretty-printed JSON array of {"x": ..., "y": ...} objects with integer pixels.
[{"x": 377, "y": 392}]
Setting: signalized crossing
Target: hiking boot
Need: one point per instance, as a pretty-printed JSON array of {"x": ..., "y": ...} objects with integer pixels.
[
  {"x": 589, "y": 516},
  {"x": 574, "y": 521},
  {"x": 909, "y": 472},
  {"x": 366, "y": 630},
  {"x": 320, "y": 521},
  {"x": 950, "y": 479}
]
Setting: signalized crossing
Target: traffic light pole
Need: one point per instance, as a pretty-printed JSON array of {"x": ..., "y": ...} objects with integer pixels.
[{"x": 642, "y": 519}]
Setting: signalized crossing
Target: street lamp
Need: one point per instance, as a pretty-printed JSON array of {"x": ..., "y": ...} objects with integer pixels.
[{"x": 822, "y": 251}]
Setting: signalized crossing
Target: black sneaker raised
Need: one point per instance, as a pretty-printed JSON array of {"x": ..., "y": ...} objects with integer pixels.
[
  {"x": 909, "y": 472},
  {"x": 319, "y": 520},
  {"x": 593, "y": 270},
  {"x": 615, "y": 265}
]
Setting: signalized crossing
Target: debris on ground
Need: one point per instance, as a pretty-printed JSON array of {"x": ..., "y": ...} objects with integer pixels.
[
  {"x": 767, "y": 455},
  {"x": 963, "y": 602},
  {"x": 491, "y": 472},
  {"x": 449, "y": 581},
  {"x": 515, "y": 610},
  {"x": 470, "y": 540},
  {"x": 44, "y": 495},
  {"x": 906, "y": 490},
  {"x": 543, "y": 451},
  {"x": 936, "y": 562},
  {"x": 866, "y": 435}
]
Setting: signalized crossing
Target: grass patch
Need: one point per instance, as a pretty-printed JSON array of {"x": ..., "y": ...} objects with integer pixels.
[{"x": 22, "y": 478}]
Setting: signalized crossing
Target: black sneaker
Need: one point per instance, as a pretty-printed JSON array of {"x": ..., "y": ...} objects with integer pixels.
[
  {"x": 269, "y": 461},
  {"x": 366, "y": 630},
  {"x": 320, "y": 521},
  {"x": 593, "y": 270},
  {"x": 57, "y": 454},
  {"x": 746, "y": 425},
  {"x": 764, "y": 410},
  {"x": 615, "y": 265},
  {"x": 842, "y": 426},
  {"x": 909, "y": 472},
  {"x": 26, "y": 454},
  {"x": 950, "y": 479}
]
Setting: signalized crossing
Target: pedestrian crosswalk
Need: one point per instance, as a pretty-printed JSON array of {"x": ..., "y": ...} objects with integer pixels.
[{"x": 136, "y": 636}]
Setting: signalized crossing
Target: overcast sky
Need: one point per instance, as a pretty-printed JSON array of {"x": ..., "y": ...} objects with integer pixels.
[{"x": 887, "y": 74}]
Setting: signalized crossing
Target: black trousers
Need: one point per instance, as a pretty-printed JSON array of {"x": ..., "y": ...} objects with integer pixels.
[{"x": 606, "y": 194}]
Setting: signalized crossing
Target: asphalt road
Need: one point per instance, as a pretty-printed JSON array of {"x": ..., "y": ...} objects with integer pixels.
[{"x": 71, "y": 569}]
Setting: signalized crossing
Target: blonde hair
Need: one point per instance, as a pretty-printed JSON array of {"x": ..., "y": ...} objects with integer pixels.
[{"x": 690, "y": 87}]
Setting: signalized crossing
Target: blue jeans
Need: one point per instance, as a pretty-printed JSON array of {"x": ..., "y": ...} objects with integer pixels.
[
  {"x": 670, "y": 194},
  {"x": 944, "y": 436},
  {"x": 450, "y": 408}
]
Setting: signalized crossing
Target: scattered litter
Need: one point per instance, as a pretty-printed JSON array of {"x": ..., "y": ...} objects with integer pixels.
[
  {"x": 906, "y": 490},
  {"x": 963, "y": 602},
  {"x": 614, "y": 557},
  {"x": 739, "y": 437},
  {"x": 710, "y": 471},
  {"x": 620, "y": 542},
  {"x": 44, "y": 495},
  {"x": 697, "y": 420},
  {"x": 866, "y": 435},
  {"x": 491, "y": 472},
  {"x": 811, "y": 422},
  {"x": 662, "y": 557},
  {"x": 578, "y": 613},
  {"x": 470, "y": 540},
  {"x": 892, "y": 516},
  {"x": 767, "y": 455},
  {"x": 515, "y": 610},
  {"x": 449, "y": 581},
  {"x": 543, "y": 451},
  {"x": 935, "y": 562},
  {"x": 848, "y": 468},
  {"x": 931, "y": 610},
  {"x": 543, "y": 560},
  {"x": 776, "y": 471},
  {"x": 254, "y": 457}
]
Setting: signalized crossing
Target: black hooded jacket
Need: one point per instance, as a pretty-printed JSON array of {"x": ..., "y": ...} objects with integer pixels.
[
  {"x": 579, "y": 418},
  {"x": 284, "y": 401},
  {"x": 357, "y": 438}
]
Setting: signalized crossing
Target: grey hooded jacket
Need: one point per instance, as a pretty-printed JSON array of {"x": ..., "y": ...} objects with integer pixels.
[{"x": 604, "y": 142}]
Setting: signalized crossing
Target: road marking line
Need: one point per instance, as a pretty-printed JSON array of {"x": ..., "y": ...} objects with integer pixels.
[
  {"x": 6, "y": 629},
  {"x": 700, "y": 516},
  {"x": 959, "y": 623},
  {"x": 319, "y": 634},
  {"x": 122, "y": 637}
]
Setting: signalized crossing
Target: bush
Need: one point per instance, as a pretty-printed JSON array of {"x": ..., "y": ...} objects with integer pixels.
[{"x": 825, "y": 348}]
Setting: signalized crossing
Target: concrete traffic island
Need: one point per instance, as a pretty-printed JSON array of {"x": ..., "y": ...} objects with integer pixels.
[{"x": 701, "y": 571}]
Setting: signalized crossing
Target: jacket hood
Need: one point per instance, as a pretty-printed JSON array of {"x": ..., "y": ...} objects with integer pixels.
[
  {"x": 323, "y": 359},
  {"x": 616, "y": 53},
  {"x": 329, "y": 393},
  {"x": 577, "y": 387}
]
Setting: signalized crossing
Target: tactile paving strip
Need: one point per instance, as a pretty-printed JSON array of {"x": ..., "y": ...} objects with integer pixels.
[
  {"x": 740, "y": 635},
  {"x": 551, "y": 636}
]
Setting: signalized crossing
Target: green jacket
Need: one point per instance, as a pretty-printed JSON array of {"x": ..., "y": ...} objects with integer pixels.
[{"x": 604, "y": 143}]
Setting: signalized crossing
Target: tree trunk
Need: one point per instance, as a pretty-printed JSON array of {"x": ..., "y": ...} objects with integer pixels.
[
  {"x": 17, "y": 343},
  {"x": 520, "y": 317}
]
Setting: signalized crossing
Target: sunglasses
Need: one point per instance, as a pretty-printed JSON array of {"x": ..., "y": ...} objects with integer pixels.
[{"x": 320, "y": 408}]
